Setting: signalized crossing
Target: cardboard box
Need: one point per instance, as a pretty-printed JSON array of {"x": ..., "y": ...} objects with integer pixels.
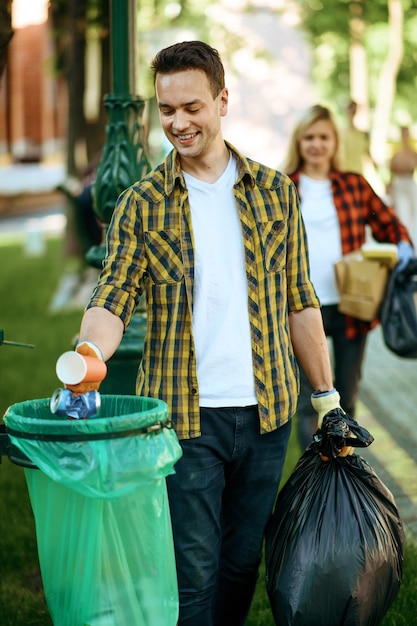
[
  {"x": 385, "y": 253},
  {"x": 362, "y": 284}
]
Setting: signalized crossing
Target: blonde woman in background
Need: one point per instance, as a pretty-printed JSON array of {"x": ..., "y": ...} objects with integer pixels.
[{"x": 336, "y": 206}]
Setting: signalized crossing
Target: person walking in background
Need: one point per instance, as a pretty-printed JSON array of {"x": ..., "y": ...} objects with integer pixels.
[
  {"x": 355, "y": 145},
  {"x": 336, "y": 207},
  {"x": 217, "y": 243},
  {"x": 402, "y": 188}
]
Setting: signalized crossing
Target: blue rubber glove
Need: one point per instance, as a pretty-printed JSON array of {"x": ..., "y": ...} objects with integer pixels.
[{"x": 405, "y": 253}]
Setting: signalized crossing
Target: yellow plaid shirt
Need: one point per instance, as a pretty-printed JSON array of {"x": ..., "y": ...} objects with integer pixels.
[{"x": 150, "y": 249}]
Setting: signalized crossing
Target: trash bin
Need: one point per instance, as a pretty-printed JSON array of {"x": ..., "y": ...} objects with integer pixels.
[{"x": 101, "y": 510}]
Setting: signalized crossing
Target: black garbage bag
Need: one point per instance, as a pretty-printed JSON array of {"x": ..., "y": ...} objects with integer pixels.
[
  {"x": 399, "y": 311},
  {"x": 334, "y": 545}
]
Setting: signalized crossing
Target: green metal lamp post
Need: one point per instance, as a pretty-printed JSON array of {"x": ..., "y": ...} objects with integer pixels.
[{"x": 123, "y": 162}]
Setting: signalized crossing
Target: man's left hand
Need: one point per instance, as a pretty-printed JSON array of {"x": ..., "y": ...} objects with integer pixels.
[{"x": 323, "y": 402}]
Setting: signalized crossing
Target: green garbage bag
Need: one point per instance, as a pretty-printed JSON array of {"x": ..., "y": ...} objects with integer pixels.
[{"x": 101, "y": 510}]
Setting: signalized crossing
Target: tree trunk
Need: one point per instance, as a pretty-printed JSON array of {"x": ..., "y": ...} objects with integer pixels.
[
  {"x": 95, "y": 128},
  {"x": 387, "y": 82},
  {"x": 6, "y": 31},
  {"x": 72, "y": 20},
  {"x": 358, "y": 64}
]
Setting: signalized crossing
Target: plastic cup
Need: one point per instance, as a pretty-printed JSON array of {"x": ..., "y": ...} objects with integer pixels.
[{"x": 73, "y": 368}]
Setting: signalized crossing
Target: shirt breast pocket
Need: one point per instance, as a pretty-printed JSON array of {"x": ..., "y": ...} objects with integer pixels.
[
  {"x": 163, "y": 250},
  {"x": 274, "y": 244}
]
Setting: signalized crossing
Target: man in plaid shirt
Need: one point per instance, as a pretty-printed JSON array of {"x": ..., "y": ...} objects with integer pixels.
[{"x": 217, "y": 244}]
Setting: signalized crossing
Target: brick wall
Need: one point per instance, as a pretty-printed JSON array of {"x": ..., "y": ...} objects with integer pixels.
[{"x": 32, "y": 102}]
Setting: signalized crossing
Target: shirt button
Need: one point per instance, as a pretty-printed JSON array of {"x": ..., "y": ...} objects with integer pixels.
[{"x": 193, "y": 391}]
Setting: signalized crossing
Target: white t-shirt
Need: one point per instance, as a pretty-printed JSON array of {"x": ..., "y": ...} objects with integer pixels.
[
  {"x": 323, "y": 234},
  {"x": 220, "y": 315}
]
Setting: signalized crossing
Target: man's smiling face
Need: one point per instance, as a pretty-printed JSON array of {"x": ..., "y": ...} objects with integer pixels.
[{"x": 190, "y": 116}]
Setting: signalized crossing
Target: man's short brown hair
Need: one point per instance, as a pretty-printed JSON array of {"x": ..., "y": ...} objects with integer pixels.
[{"x": 191, "y": 55}]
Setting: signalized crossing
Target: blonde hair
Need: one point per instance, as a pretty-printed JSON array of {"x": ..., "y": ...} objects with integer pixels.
[{"x": 293, "y": 161}]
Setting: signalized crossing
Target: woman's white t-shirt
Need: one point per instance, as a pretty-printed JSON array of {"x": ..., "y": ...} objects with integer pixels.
[{"x": 323, "y": 234}]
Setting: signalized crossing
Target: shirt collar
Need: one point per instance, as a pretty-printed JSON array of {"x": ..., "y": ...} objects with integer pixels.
[{"x": 173, "y": 172}]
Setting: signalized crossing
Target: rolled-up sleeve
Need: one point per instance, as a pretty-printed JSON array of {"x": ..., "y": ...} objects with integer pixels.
[{"x": 121, "y": 280}]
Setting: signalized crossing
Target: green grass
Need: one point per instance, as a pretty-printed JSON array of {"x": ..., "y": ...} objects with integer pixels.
[{"x": 26, "y": 289}]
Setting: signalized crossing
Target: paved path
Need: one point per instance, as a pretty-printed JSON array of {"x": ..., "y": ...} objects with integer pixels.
[
  {"x": 30, "y": 178},
  {"x": 50, "y": 221},
  {"x": 388, "y": 409}
]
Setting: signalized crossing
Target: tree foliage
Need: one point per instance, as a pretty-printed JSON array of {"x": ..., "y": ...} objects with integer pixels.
[
  {"x": 327, "y": 25},
  {"x": 160, "y": 22}
]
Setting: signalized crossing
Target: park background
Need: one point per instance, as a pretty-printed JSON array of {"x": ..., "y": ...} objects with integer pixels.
[{"x": 281, "y": 56}]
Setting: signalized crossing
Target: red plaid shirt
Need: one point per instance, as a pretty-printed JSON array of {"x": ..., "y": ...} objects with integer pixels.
[{"x": 358, "y": 205}]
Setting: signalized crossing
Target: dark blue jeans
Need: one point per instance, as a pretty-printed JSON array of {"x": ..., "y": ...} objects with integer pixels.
[
  {"x": 348, "y": 357},
  {"x": 221, "y": 498}
]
